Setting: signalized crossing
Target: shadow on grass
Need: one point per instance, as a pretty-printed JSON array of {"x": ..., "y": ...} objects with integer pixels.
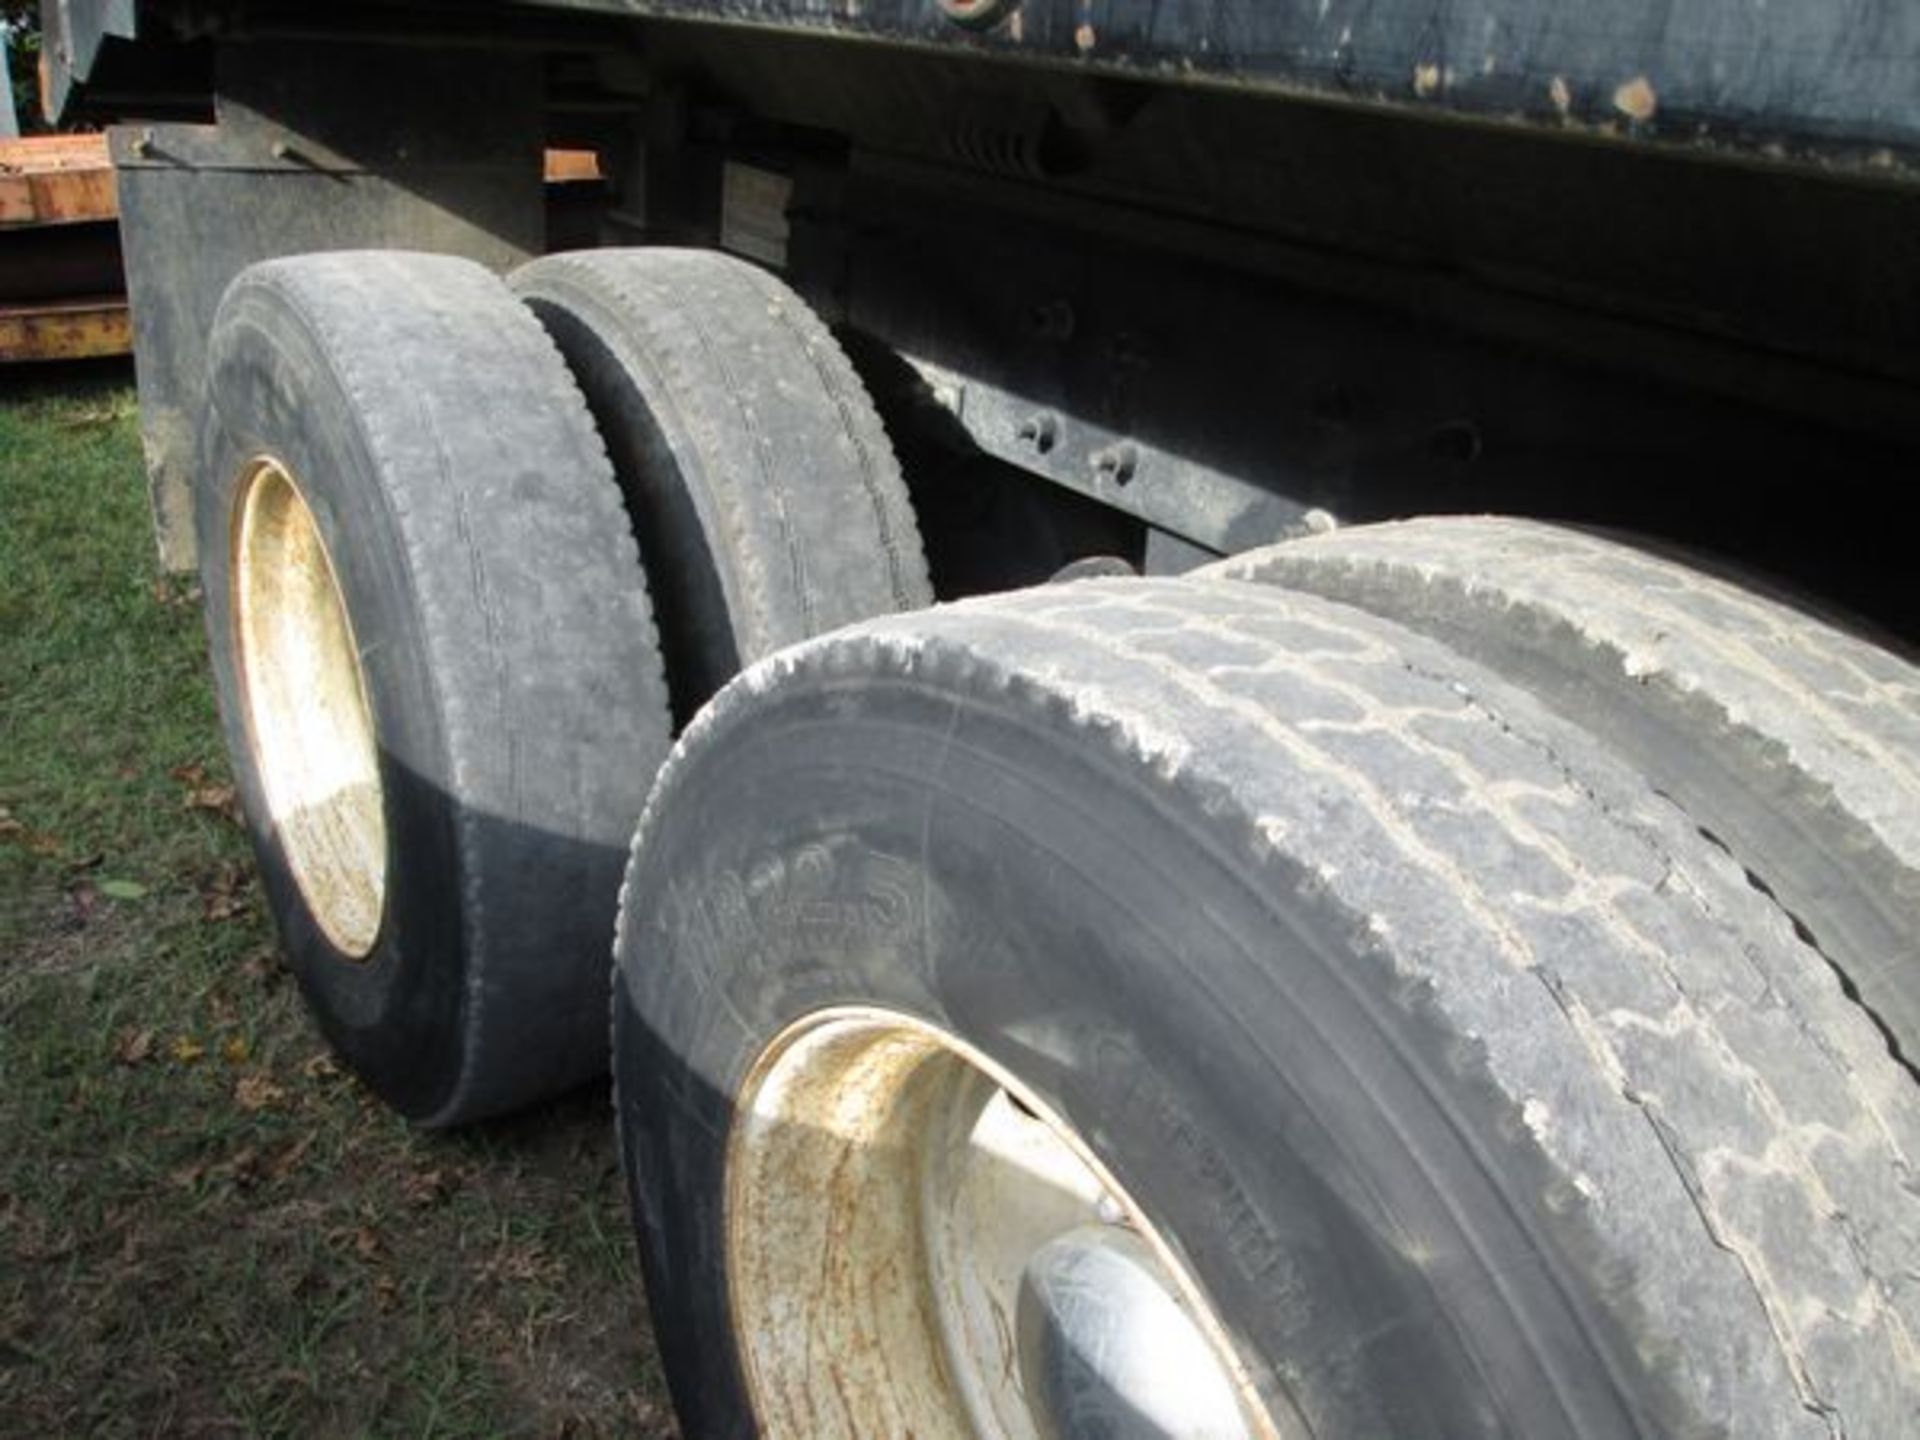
[{"x": 205, "y": 1227}]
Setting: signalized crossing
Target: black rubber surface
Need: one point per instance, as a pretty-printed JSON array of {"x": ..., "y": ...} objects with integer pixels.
[
  {"x": 1481, "y": 1093},
  {"x": 766, "y": 496},
  {"x": 1795, "y": 743},
  {"x": 508, "y": 650}
]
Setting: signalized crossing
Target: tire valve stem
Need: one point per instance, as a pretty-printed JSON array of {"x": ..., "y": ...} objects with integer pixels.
[{"x": 1110, "y": 1211}]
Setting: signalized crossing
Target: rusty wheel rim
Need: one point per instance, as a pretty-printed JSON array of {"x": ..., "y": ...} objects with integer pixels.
[
  {"x": 917, "y": 1245},
  {"x": 308, "y": 721}
]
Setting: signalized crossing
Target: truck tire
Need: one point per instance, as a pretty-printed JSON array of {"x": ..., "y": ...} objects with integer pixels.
[
  {"x": 1793, "y": 742},
  {"x": 436, "y": 667},
  {"x": 1162, "y": 969},
  {"x": 765, "y": 493}
]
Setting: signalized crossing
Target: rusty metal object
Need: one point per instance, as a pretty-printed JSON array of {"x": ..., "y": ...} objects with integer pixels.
[
  {"x": 56, "y": 179},
  {"x": 307, "y": 716},
  {"x": 65, "y": 330},
  {"x": 899, "y": 1209},
  {"x": 59, "y": 257},
  {"x": 55, "y": 291}
]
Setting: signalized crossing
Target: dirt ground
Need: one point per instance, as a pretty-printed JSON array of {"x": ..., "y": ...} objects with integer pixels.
[{"x": 206, "y": 1228}]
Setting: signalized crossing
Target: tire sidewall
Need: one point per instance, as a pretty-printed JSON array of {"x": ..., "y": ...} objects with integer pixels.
[
  {"x": 1023, "y": 903},
  {"x": 394, "y": 1014}
]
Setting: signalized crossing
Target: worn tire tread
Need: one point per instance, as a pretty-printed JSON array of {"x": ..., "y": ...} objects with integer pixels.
[
  {"x": 750, "y": 401},
  {"x": 526, "y": 578},
  {"x": 1796, "y": 743},
  {"x": 1710, "y": 1135}
]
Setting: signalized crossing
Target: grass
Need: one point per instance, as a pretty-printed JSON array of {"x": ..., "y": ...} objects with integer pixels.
[{"x": 206, "y": 1228}]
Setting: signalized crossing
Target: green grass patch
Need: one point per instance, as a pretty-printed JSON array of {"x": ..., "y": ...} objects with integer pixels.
[{"x": 204, "y": 1226}]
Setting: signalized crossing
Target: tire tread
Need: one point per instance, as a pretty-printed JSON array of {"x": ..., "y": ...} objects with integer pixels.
[{"x": 1715, "y": 1132}]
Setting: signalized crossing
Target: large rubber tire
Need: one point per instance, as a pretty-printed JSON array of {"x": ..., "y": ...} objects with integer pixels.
[
  {"x": 767, "y": 498},
  {"x": 1793, "y": 742},
  {"x": 1480, "y": 1093},
  {"x": 506, "y": 651}
]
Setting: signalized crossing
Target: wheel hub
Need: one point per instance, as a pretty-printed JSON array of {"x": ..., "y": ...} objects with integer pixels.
[
  {"x": 307, "y": 717},
  {"x": 916, "y": 1245},
  {"x": 1107, "y": 1350}
]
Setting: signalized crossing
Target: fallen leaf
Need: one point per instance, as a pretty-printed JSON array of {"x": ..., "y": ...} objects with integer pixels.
[
  {"x": 16, "y": 831},
  {"x": 257, "y": 1092},
  {"x": 283, "y": 1164},
  {"x": 224, "y": 892},
  {"x": 366, "y": 1242},
  {"x": 427, "y": 1187},
  {"x": 187, "y": 1176},
  {"x": 223, "y": 907},
  {"x": 263, "y": 966},
  {"x": 187, "y": 1050},
  {"x": 236, "y": 1050},
  {"x": 122, "y": 889},
  {"x": 133, "y": 1046},
  {"x": 320, "y": 1067},
  {"x": 169, "y": 590},
  {"x": 522, "y": 1265},
  {"x": 386, "y": 1291},
  {"x": 215, "y": 800},
  {"x": 242, "y": 1167}
]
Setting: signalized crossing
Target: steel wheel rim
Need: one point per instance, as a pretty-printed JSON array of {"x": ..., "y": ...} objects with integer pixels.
[
  {"x": 308, "y": 721},
  {"x": 916, "y": 1245}
]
